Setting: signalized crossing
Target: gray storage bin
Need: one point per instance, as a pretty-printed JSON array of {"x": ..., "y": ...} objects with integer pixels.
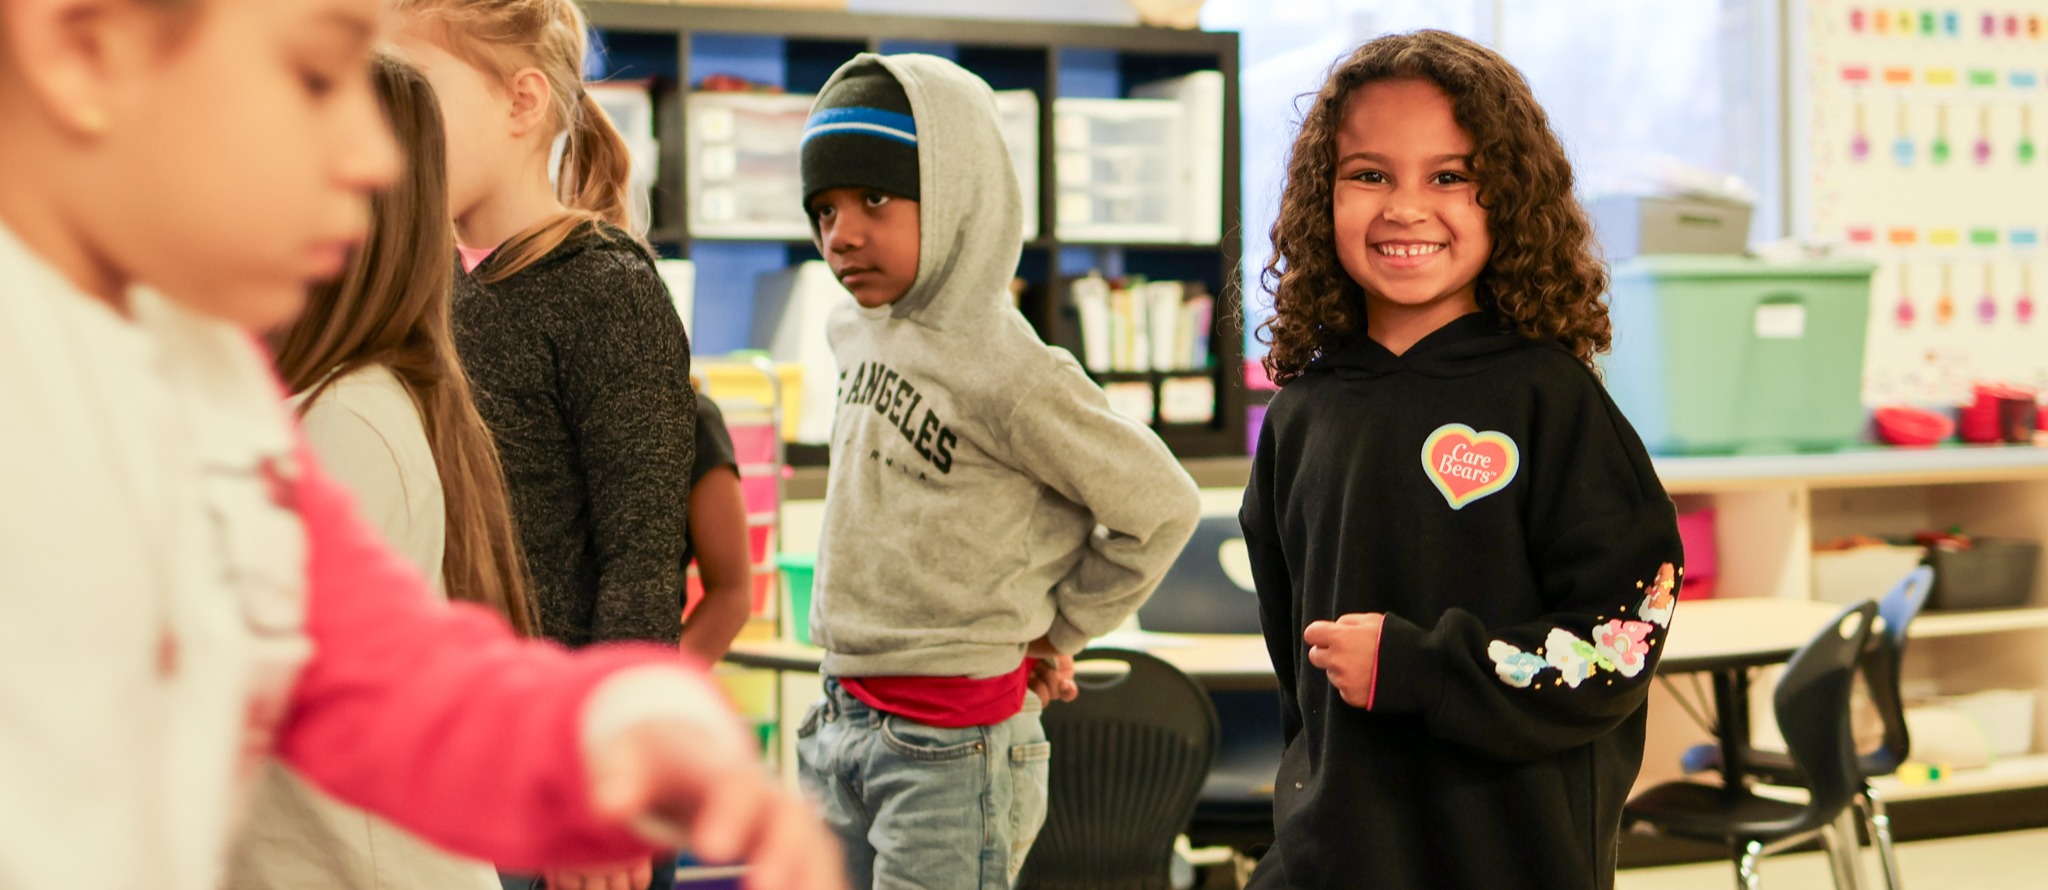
[
  {"x": 1633, "y": 226},
  {"x": 1995, "y": 573}
]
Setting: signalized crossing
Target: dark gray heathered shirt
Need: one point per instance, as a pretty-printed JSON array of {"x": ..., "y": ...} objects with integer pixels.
[{"x": 582, "y": 371}]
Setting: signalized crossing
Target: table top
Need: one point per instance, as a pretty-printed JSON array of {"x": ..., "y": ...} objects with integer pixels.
[
  {"x": 1711, "y": 635},
  {"x": 1708, "y": 635}
]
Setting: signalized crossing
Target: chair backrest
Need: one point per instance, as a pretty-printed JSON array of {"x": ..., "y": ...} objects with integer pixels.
[
  {"x": 1199, "y": 594},
  {"x": 1128, "y": 760},
  {"x": 1884, "y": 665},
  {"x": 1812, "y": 704}
]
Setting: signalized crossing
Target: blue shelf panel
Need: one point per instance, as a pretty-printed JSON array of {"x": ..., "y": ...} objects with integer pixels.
[
  {"x": 811, "y": 62},
  {"x": 928, "y": 47},
  {"x": 724, "y": 301},
  {"x": 1006, "y": 68},
  {"x": 756, "y": 58},
  {"x": 631, "y": 55},
  {"x": 1090, "y": 74}
]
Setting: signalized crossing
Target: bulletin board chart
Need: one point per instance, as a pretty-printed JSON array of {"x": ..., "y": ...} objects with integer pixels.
[{"x": 1922, "y": 148}]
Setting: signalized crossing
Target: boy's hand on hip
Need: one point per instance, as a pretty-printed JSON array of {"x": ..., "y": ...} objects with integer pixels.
[
  {"x": 1052, "y": 679},
  {"x": 677, "y": 787},
  {"x": 1041, "y": 648},
  {"x": 1348, "y": 649}
]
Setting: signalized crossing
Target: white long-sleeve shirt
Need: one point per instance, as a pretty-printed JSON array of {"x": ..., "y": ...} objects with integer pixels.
[{"x": 183, "y": 592}]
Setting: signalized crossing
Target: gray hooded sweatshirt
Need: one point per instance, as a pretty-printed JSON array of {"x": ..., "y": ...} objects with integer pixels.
[{"x": 982, "y": 493}]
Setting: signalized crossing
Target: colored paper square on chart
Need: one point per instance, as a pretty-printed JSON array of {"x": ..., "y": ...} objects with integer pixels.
[
  {"x": 1861, "y": 235},
  {"x": 1856, "y": 73},
  {"x": 1941, "y": 77},
  {"x": 2025, "y": 238},
  {"x": 1983, "y": 77},
  {"x": 1944, "y": 237},
  {"x": 1898, "y": 76},
  {"x": 1903, "y": 236},
  {"x": 1984, "y": 237},
  {"x": 2024, "y": 80}
]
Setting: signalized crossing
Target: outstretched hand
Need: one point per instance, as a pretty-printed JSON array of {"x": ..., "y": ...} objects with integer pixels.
[
  {"x": 684, "y": 787},
  {"x": 632, "y": 876}
]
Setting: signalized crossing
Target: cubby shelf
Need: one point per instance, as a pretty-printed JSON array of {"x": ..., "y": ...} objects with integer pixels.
[
  {"x": 1770, "y": 511},
  {"x": 1862, "y": 468},
  {"x": 1962, "y": 624},
  {"x": 674, "y": 46},
  {"x": 2004, "y": 774}
]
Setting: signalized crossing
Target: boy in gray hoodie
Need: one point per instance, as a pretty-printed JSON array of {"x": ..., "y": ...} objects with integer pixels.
[{"x": 987, "y": 513}]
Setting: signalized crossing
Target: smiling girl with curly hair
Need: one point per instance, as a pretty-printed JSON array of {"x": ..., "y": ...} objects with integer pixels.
[{"x": 1465, "y": 563}]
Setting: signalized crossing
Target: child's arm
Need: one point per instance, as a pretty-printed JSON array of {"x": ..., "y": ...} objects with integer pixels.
[
  {"x": 1531, "y": 690},
  {"x": 1604, "y": 546},
  {"x": 718, "y": 526},
  {"x": 437, "y": 717},
  {"x": 1063, "y": 433},
  {"x": 626, "y": 392}
]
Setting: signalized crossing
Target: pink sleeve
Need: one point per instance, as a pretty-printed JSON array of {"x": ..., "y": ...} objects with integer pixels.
[{"x": 435, "y": 715}]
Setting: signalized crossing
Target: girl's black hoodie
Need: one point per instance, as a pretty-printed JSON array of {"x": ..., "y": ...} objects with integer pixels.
[{"x": 1483, "y": 492}]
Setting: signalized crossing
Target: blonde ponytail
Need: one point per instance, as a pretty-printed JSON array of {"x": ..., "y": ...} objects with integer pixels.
[
  {"x": 500, "y": 37},
  {"x": 596, "y": 165}
]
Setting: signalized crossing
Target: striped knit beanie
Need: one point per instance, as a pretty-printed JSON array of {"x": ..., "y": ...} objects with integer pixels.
[{"x": 861, "y": 135}]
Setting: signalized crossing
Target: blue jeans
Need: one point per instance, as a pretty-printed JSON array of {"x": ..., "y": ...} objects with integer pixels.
[{"x": 923, "y": 807}]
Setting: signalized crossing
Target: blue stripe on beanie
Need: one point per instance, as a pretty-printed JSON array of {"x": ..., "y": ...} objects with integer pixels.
[{"x": 862, "y": 122}]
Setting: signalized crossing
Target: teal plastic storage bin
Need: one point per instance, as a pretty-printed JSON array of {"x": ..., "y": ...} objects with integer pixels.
[
  {"x": 799, "y": 569},
  {"x": 1727, "y": 354}
]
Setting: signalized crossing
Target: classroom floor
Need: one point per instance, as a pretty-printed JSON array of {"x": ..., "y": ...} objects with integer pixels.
[{"x": 2013, "y": 861}]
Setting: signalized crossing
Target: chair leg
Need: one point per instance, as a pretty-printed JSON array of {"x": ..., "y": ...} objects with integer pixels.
[
  {"x": 1880, "y": 825},
  {"x": 1839, "y": 840},
  {"x": 1747, "y": 857}
]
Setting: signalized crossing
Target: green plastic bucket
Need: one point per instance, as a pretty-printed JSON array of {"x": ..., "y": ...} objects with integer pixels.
[
  {"x": 799, "y": 568},
  {"x": 1729, "y": 354}
]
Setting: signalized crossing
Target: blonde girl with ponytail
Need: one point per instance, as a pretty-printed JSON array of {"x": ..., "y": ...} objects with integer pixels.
[
  {"x": 510, "y": 77},
  {"x": 579, "y": 364}
]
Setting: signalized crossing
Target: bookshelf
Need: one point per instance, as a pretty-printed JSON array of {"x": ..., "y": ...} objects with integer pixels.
[{"x": 676, "y": 46}]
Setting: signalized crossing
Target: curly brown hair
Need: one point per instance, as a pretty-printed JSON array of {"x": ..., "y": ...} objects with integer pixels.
[{"x": 1544, "y": 279}]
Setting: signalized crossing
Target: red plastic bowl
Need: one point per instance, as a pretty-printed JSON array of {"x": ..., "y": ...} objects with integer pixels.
[{"x": 1912, "y": 427}]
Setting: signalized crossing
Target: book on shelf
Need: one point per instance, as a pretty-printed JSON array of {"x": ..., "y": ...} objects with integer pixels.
[{"x": 1137, "y": 326}]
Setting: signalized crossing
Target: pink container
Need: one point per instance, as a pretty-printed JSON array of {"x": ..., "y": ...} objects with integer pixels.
[
  {"x": 758, "y": 492},
  {"x": 753, "y": 443},
  {"x": 1702, "y": 554}
]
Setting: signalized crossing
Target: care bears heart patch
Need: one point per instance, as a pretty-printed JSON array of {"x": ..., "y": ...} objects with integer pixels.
[{"x": 1467, "y": 465}]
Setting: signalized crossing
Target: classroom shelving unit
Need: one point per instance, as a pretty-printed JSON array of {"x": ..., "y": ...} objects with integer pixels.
[
  {"x": 1771, "y": 510},
  {"x": 676, "y": 46}
]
